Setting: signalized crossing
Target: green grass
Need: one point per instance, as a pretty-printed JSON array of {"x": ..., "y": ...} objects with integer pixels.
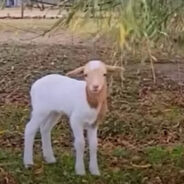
[
  {"x": 118, "y": 168},
  {"x": 61, "y": 172},
  {"x": 160, "y": 155}
]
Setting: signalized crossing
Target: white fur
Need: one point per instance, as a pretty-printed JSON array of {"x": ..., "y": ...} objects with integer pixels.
[
  {"x": 94, "y": 64},
  {"x": 51, "y": 96}
]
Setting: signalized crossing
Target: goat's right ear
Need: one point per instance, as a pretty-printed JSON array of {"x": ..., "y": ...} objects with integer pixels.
[{"x": 76, "y": 72}]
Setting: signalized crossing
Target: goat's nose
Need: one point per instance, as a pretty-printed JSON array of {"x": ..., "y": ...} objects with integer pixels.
[{"x": 95, "y": 87}]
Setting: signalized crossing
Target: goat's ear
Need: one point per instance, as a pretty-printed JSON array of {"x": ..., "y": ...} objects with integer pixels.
[
  {"x": 114, "y": 68},
  {"x": 76, "y": 72}
]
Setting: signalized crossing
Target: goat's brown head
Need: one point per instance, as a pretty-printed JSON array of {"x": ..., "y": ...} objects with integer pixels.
[{"x": 94, "y": 73}]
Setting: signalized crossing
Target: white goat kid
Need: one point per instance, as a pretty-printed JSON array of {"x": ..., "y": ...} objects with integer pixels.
[{"x": 84, "y": 102}]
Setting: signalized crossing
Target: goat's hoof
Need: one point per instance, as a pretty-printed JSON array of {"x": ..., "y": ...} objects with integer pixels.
[
  {"x": 28, "y": 165},
  {"x": 50, "y": 160},
  {"x": 95, "y": 172},
  {"x": 80, "y": 172}
]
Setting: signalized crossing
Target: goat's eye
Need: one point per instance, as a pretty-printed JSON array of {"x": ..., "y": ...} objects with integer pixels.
[
  {"x": 85, "y": 75},
  {"x": 105, "y": 74}
]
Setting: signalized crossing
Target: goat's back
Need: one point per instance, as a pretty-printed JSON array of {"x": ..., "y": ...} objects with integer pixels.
[{"x": 58, "y": 93}]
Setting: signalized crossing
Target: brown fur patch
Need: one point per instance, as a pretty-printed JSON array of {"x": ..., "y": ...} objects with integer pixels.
[
  {"x": 99, "y": 102},
  {"x": 92, "y": 99}
]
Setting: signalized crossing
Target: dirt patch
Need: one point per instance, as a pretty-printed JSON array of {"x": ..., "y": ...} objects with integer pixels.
[{"x": 173, "y": 71}]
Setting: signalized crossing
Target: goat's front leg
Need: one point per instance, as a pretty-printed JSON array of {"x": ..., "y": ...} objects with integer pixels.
[
  {"x": 93, "y": 142},
  {"x": 79, "y": 144}
]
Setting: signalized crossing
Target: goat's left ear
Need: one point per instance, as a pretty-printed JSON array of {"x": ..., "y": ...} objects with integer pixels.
[
  {"x": 115, "y": 68},
  {"x": 76, "y": 72}
]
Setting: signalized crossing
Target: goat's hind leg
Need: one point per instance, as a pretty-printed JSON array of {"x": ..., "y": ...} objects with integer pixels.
[
  {"x": 45, "y": 130},
  {"x": 30, "y": 131}
]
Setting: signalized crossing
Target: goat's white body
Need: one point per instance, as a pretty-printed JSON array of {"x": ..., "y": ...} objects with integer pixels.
[
  {"x": 52, "y": 96},
  {"x": 61, "y": 94}
]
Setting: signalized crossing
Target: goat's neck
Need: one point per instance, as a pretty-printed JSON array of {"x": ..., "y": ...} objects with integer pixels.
[{"x": 96, "y": 100}]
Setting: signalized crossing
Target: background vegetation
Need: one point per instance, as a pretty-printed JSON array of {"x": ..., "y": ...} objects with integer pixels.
[
  {"x": 142, "y": 29},
  {"x": 142, "y": 138}
]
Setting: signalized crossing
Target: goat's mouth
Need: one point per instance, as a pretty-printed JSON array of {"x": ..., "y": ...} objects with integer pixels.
[{"x": 95, "y": 91}]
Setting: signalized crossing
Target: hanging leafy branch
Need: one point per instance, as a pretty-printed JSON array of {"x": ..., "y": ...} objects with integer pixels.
[{"x": 122, "y": 19}]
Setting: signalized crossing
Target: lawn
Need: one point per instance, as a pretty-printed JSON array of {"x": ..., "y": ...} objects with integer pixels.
[{"x": 140, "y": 141}]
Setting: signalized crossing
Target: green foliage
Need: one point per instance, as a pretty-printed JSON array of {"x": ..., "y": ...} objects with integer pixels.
[
  {"x": 130, "y": 24},
  {"x": 61, "y": 172},
  {"x": 161, "y": 155},
  {"x": 177, "y": 154},
  {"x": 157, "y": 154},
  {"x": 121, "y": 152}
]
